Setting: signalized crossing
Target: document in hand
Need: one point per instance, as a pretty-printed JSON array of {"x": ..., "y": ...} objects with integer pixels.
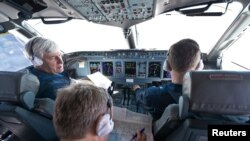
[
  {"x": 127, "y": 123},
  {"x": 100, "y": 80}
]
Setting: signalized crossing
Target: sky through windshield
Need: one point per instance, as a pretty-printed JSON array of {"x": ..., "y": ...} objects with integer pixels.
[{"x": 158, "y": 33}]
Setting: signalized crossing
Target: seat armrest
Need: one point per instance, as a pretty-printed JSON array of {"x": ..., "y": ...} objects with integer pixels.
[
  {"x": 45, "y": 107},
  {"x": 167, "y": 123},
  {"x": 27, "y": 100}
]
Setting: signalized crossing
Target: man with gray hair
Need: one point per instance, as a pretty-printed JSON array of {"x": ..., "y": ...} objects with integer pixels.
[{"x": 47, "y": 66}]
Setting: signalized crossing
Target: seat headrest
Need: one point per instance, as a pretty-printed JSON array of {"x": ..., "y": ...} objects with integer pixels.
[
  {"x": 218, "y": 92},
  {"x": 14, "y": 84}
]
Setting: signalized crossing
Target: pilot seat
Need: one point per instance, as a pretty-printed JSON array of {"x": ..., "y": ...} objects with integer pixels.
[
  {"x": 209, "y": 98},
  {"x": 22, "y": 116}
]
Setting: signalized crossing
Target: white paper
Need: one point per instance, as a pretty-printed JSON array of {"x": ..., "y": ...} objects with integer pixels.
[
  {"x": 100, "y": 80},
  {"x": 127, "y": 122}
]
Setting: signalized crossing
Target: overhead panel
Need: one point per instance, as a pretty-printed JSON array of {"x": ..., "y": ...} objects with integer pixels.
[{"x": 113, "y": 10}]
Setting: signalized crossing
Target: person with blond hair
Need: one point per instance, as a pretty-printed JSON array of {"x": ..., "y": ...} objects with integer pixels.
[{"x": 83, "y": 112}]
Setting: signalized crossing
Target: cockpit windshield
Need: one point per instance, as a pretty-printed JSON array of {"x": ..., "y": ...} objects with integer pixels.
[{"x": 155, "y": 34}]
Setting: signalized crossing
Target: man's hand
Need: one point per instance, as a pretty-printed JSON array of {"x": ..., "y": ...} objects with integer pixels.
[
  {"x": 141, "y": 136},
  {"x": 135, "y": 87}
]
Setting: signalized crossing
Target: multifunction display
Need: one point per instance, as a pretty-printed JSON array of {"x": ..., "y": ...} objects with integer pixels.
[
  {"x": 154, "y": 69},
  {"x": 130, "y": 69},
  {"x": 94, "y": 67},
  {"x": 107, "y": 68}
]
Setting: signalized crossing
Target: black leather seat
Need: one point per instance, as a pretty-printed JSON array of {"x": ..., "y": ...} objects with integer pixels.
[
  {"x": 20, "y": 118},
  {"x": 209, "y": 97},
  {"x": 168, "y": 122}
]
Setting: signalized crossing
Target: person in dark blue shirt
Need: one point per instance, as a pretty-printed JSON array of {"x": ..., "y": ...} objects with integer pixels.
[
  {"x": 183, "y": 56},
  {"x": 47, "y": 66}
]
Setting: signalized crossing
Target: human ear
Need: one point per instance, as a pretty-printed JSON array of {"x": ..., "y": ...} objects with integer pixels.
[
  {"x": 200, "y": 65},
  {"x": 169, "y": 68}
]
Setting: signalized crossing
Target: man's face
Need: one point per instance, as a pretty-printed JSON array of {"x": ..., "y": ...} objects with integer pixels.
[{"x": 52, "y": 62}]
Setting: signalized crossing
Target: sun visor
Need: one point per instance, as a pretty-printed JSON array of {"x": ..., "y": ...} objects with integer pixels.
[
  {"x": 7, "y": 12},
  {"x": 6, "y": 26},
  {"x": 3, "y": 18}
]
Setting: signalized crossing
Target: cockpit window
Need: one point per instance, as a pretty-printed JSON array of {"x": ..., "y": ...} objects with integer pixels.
[
  {"x": 12, "y": 54},
  {"x": 237, "y": 56},
  {"x": 81, "y": 35},
  {"x": 157, "y": 33},
  {"x": 166, "y": 29}
]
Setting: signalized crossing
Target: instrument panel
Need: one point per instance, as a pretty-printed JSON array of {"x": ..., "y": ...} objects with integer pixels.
[{"x": 122, "y": 66}]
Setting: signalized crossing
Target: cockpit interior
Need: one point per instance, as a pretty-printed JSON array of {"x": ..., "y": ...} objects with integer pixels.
[{"x": 128, "y": 42}]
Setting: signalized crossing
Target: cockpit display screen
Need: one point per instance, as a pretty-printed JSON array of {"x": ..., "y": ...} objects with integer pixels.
[
  {"x": 107, "y": 68},
  {"x": 94, "y": 67},
  {"x": 130, "y": 69},
  {"x": 154, "y": 69},
  {"x": 166, "y": 74},
  {"x": 142, "y": 67},
  {"x": 118, "y": 68}
]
